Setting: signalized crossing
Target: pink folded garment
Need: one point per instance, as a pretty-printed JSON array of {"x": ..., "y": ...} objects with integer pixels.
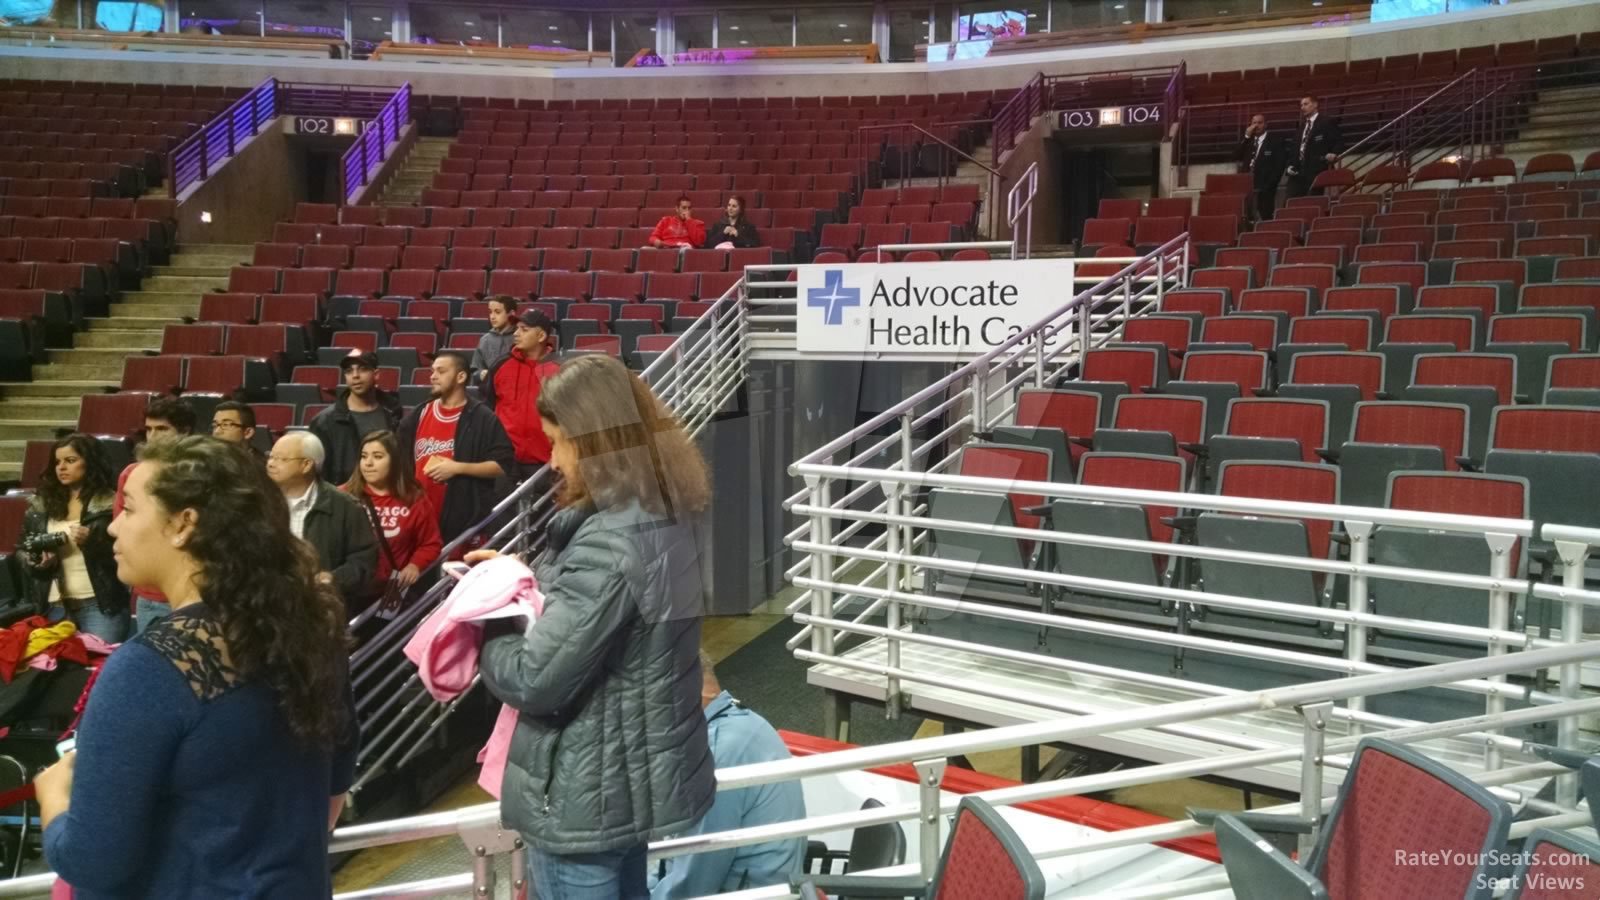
[{"x": 446, "y": 646}]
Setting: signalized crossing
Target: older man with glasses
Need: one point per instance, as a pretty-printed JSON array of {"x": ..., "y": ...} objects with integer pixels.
[{"x": 331, "y": 521}]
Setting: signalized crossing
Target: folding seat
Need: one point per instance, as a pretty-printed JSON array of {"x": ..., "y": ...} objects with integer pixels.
[
  {"x": 574, "y": 218},
  {"x": 1232, "y": 281},
  {"x": 1010, "y": 464},
  {"x": 119, "y": 415},
  {"x": 1327, "y": 332},
  {"x": 1566, "y": 296},
  {"x": 300, "y": 310},
  {"x": 290, "y": 233},
  {"x": 562, "y": 238},
  {"x": 280, "y": 256},
  {"x": 1478, "y": 300},
  {"x": 1126, "y": 521},
  {"x": 280, "y": 345},
  {"x": 1281, "y": 303},
  {"x": 1573, "y": 380},
  {"x": 324, "y": 256},
  {"x": 384, "y": 258},
  {"x": 1151, "y": 232},
  {"x": 192, "y": 340},
  {"x": 359, "y": 283},
  {"x": 1557, "y": 449},
  {"x": 1393, "y": 436},
  {"x": 47, "y": 250},
  {"x": 227, "y": 376},
  {"x": 308, "y": 281},
  {"x": 1171, "y": 333},
  {"x": 1506, "y": 275},
  {"x": 611, "y": 260},
  {"x": 1550, "y": 167},
  {"x": 1534, "y": 338},
  {"x": 459, "y": 284},
  {"x": 238, "y": 309},
  {"x": 522, "y": 285},
  {"x": 252, "y": 280},
  {"x": 1455, "y": 493},
  {"x": 317, "y": 213},
  {"x": 566, "y": 287},
  {"x": 657, "y": 260},
  {"x": 1220, "y": 376},
  {"x": 1318, "y": 278},
  {"x": 472, "y": 258},
  {"x": 705, "y": 261},
  {"x": 1096, "y": 234},
  {"x": 1479, "y": 381},
  {"x": 1249, "y": 331},
  {"x": 598, "y": 238},
  {"x": 1284, "y": 480},
  {"x": 405, "y": 216},
  {"x": 1156, "y": 425},
  {"x": 671, "y": 286},
  {"x": 153, "y": 374}
]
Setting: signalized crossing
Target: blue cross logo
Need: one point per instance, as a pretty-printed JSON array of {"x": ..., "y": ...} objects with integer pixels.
[{"x": 833, "y": 297}]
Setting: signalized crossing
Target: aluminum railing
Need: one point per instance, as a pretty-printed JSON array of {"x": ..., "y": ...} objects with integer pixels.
[
  {"x": 479, "y": 827},
  {"x": 696, "y": 377},
  {"x": 373, "y": 145},
  {"x": 194, "y": 158}
]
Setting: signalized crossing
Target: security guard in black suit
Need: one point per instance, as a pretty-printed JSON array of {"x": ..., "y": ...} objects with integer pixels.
[
  {"x": 1262, "y": 154},
  {"x": 1316, "y": 146}
]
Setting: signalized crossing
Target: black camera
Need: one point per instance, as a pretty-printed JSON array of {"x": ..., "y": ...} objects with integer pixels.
[{"x": 48, "y": 542}]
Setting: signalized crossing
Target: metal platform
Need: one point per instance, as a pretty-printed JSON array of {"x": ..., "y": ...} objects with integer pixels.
[{"x": 1086, "y": 694}]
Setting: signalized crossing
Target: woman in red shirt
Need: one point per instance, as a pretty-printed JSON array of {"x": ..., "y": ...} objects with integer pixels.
[{"x": 409, "y": 523}]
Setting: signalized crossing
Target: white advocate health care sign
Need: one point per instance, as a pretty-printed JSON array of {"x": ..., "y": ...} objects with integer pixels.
[{"x": 887, "y": 309}]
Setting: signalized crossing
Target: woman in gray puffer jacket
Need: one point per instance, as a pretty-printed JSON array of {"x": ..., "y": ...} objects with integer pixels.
[{"x": 610, "y": 749}]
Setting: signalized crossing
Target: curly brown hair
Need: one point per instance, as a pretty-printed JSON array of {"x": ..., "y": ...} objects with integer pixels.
[
  {"x": 280, "y": 625},
  {"x": 629, "y": 445}
]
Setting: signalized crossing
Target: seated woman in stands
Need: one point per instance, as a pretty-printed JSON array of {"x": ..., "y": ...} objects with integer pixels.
[
  {"x": 733, "y": 229},
  {"x": 65, "y": 542},
  {"x": 680, "y": 230},
  {"x": 611, "y": 749},
  {"x": 216, "y": 747}
]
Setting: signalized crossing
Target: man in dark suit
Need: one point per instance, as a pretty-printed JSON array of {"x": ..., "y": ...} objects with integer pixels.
[
  {"x": 1316, "y": 146},
  {"x": 1262, "y": 154}
]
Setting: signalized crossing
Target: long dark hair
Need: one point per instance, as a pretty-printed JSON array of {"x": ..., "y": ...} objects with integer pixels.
[
  {"x": 630, "y": 446},
  {"x": 280, "y": 625},
  {"x": 97, "y": 478},
  {"x": 402, "y": 482}
]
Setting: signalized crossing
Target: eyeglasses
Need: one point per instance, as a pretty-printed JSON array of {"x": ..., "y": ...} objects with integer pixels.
[
  {"x": 284, "y": 459},
  {"x": 217, "y": 425}
]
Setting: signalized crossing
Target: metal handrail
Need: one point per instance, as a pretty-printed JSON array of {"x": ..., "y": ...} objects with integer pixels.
[
  {"x": 191, "y": 161},
  {"x": 996, "y": 178},
  {"x": 363, "y": 158},
  {"x": 1415, "y": 107},
  {"x": 1017, "y": 206}
]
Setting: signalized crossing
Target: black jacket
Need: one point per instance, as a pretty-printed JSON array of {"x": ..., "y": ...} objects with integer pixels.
[
  {"x": 341, "y": 437},
  {"x": 1268, "y": 165},
  {"x": 746, "y": 236},
  {"x": 479, "y": 438},
  {"x": 339, "y": 529},
  {"x": 610, "y": 748},
  {"x": 110, "y": 595},
  {"x": 1325, "y": 138}
]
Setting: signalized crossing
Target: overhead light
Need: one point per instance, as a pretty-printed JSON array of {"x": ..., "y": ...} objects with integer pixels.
[
  {"x": 1033, "y": 15},
  {"x": 477, "y": 37},
  {"x": 1120, "y": 6},
  {"x": 848, "y": 40},
  {"x": 205, "y": 216},
  {"x": 388, "y": 34},
  {"x": 556, "y": 41},
  {"x": 377, "y": 18},
  {"x": 1127, "y": 21},
  {"x": 744, "y": 42},
  {"x": 652, "y": 28},
  {"x": 1316, "y": 2},
  {"x": 468, "y": 24},
  {"x": 924, "y": 21},
  {"x": 844, "y": 25},
  {"x": 555, "y": 28},
  {"x": 733, "y": 28}
]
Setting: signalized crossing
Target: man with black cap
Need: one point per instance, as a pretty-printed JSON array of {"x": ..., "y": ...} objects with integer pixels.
[
  {"x": 512, "y": 389},
  {"x": 362, "y": 408}
]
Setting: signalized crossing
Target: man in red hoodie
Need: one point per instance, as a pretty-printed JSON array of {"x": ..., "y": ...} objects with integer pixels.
[
  {"x": 511, "y": 389},
  {"x": 679, "y": 230}
]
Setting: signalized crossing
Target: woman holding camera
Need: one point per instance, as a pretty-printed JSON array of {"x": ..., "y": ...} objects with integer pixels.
[{"x": 66, "y": 544}]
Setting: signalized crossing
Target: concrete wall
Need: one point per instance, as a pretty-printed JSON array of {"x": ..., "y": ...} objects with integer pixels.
[
  {"x": 1036, "y": 146},
  {"x": 1518, "y": 21},
  {"x": 256, "y": 188}
]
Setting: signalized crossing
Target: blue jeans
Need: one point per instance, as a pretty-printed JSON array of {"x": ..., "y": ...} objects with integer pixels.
[
  {"x": 87, "y": 616},
  {"x": 612, "y": 875},
  {"x": 147, "y": 612}
]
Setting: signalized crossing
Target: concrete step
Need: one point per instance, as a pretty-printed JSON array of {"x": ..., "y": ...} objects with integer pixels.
[
  {"x": 163, "y": 298},
  {"x": 55, "y": 388},
  {"x": 19, "y": 430},
  {"x": 39, "y": 409},
  {"x": 100, "y": 367},
  {"x": 132, "y": 323},
  {"x": 105, "y": 361},
  {"x": 211, "y": 262},
  {"x": 117, "y": 340},
  {"x": 217, "y": 273},
  {"x": 191, "y": 284},
  {"x": 189, "y": 309},
  {"x": 1529, "y": 147},
  {"x": 238, "y": 250}
]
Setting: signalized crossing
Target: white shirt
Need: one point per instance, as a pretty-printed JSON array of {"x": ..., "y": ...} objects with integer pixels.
[
  {"x": 298, "y": 507},
  {"x": 1305, "y": 133}
]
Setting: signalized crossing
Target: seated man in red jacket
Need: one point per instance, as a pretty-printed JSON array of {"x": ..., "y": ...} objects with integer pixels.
[
  {"x": 679, "y": 230},
  {"x": 512, "y": 386}
]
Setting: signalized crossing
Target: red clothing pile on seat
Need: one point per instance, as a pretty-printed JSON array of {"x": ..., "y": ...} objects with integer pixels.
[{"x": 672, "y": 231}]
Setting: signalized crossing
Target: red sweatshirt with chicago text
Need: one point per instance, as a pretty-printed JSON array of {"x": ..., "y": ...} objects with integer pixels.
[{"x": 675, "y": 232}]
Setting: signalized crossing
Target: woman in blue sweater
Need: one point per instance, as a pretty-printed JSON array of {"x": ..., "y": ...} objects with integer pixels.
[{"x": 216, "y": 747}]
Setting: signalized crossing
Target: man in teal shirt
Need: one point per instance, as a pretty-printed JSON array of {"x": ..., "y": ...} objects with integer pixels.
[{"x": 738, "y": 736}]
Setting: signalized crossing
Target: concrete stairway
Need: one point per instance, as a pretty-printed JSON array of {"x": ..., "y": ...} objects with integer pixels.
[
  {"x": 1561, "y": 120},
  {"x": 36, "y": 410},
  {"x": 416, "y": 172},
  {"x": 970, "y": 173}
]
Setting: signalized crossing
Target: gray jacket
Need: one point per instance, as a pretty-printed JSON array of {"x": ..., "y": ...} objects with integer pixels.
[
  {"x": 492, "y": 347},
  {"x": 610, "y": 750}
]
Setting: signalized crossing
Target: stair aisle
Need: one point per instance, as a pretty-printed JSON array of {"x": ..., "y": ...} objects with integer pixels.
[
  {"x": 37, "y": 410},
  {"x": 416, "y": 173}
]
